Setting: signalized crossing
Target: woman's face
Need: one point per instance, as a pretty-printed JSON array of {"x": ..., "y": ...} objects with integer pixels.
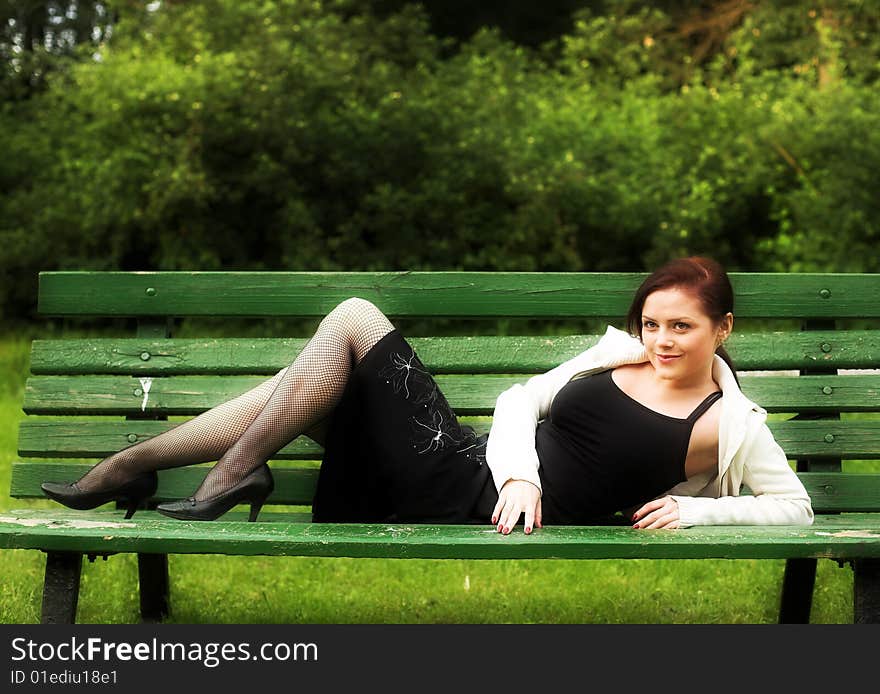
[{"x": 679, "y": 337}]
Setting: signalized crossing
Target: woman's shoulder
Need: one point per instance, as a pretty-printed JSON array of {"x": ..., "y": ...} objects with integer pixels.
[{"x": 631, "y": 373}]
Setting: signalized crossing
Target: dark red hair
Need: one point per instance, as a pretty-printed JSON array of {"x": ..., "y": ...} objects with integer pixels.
[{"x": 703, "y": 277}]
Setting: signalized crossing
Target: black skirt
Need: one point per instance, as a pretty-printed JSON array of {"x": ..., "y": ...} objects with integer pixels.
[{"x": 395, "y": 451}]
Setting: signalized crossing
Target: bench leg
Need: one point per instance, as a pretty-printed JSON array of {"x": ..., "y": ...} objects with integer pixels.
[
  {"x": 61, "y": 587},
  {"x": 797, "y": 591},
  {"x": 866, "y": 591},
  {"x": 153, "y": 578}
]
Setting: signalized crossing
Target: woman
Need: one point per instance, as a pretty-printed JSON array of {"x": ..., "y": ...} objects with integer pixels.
[{"x": 655, "y": 424}]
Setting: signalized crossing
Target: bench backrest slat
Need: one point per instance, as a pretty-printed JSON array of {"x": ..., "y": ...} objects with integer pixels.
[
  {"x": 461, "y": 294},
  {"x": 81, "y": 438},
  {"x": 468, "y": 394},
  {"x": 843, "y": 349}
]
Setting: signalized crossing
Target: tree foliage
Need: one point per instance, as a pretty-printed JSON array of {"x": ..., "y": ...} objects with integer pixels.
[{"x": 293, "y": 134}]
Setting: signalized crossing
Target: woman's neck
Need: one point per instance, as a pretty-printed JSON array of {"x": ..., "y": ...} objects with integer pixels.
[{"x": 687, "y": 383}]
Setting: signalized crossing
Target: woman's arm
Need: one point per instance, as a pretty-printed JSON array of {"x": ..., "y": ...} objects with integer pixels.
[
  {"x": 779, "y": 497},
  {"x": 510, "y": 450}
]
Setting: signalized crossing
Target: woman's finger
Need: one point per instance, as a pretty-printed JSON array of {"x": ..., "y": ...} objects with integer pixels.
[
  {"x": 509, "y": 515},
  {"x": 502, "y": 515},
  {"x": 651, "y": 522},
  {"x": 504, "y": 502},
  {"x": 510, "y": 518},
  {"x": 645, "y": 521},
  {"x": 647, "y": 508},
  {"x": 496, "y": 512},
  {"x": 662, "y": 522},
  {"x": 529, "y": 521},
  {"x": 665, "y": 515}
]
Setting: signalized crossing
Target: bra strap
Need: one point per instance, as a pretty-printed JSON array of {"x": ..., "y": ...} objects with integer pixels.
[{"x": 710, "y": 400}]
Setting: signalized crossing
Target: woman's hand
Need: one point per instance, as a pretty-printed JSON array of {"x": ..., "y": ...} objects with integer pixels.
[
  {"x": 515, "y": 498},
  {"x": 659, "y": 513}
]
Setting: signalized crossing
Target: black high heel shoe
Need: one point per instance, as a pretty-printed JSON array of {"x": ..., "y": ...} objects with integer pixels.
[
  {"x": 255, "y": 489},
  {"x": 133, "y": 493}
]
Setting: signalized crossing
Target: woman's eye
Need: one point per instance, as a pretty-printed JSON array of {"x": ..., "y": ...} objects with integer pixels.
[
  {"x": 682, "y": 326},
  {"x": 649, "y": 324}
]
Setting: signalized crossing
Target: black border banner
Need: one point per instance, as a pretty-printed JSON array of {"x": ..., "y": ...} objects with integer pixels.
[{"x": 418, "y": 658}]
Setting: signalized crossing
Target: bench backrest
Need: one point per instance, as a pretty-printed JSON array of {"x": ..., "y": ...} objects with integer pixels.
[{"x": 89, "y": 397}]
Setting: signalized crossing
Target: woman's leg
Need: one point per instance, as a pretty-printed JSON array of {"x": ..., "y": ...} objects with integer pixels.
[
  {"x": 306, "y": 394},
  {"x": 198, "y": 440},
  {"x": 297, "y": 400}
]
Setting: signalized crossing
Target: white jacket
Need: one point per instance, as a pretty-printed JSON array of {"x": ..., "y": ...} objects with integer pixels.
[{"x": 747, "y": 453}]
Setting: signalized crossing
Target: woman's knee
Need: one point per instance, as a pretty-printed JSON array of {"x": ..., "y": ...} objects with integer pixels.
[
  {"x": 357, "y": 309},
  {"x": 359, "y": 323},
  {"x": 356, "y": 303}
]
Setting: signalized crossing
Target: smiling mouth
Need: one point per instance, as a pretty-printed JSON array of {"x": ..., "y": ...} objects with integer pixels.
[{"x": 668, "y": 357}]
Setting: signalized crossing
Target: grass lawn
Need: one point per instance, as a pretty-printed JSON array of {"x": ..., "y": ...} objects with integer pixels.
[{"x": 240, "y": 590}]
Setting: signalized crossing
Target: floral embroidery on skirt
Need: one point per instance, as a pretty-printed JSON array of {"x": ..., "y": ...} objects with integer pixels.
[{"x": 439, "y": 428}]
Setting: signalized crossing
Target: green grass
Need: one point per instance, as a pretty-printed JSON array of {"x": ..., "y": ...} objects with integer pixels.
[{"x": 240, "y": 590}]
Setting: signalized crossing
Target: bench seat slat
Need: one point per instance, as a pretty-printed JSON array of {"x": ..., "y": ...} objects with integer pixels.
[
  {"x": 468, "y": 294},
  {"x": 472, "y": 354},
  {"x": 467, "y": 394},
  {"x": 830, "y": 492},
  {"x": 835, "y": 537},
  {"x": 84, "y": 438}
]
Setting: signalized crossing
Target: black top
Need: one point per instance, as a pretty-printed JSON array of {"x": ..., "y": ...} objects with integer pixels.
[{"x": 602, "y": 451}]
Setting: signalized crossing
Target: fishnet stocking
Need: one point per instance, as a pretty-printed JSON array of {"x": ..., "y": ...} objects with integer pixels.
[{"x": 249, "y": 429}]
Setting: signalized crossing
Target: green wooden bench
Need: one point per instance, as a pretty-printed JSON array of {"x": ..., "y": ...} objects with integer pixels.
[{"x": 818, "y": 327}]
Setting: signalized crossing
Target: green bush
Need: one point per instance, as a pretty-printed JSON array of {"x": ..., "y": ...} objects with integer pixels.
[{"x": 306, "y": 135}]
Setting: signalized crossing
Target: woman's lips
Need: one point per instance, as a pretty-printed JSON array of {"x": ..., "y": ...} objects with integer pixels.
[{"x": 667, "y": 358}]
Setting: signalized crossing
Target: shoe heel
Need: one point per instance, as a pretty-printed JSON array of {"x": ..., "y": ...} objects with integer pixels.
[
  {"x": 255, "y": 509},
  {"x": 144, "y": 487},
  {"x": 268, "y": 484},
  {"x": 132, "y": 505}
]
